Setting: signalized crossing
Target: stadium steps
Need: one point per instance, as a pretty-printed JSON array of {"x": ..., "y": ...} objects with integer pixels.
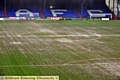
[
  {"x": 1, "y": 13},
  {"x": 5, "y": 14},
  {"x": 41, "y": 13},
  {"x": 69, "y": 14},
  {"x": 79, "y": 15}
]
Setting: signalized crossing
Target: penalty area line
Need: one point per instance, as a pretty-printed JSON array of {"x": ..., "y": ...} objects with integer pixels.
[
  {"x": 11, "y": 66},
  {"x": 72, "y": 63},
  {"x": 91, "y": 22}
]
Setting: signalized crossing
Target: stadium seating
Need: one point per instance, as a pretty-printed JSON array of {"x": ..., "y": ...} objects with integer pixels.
[
  {"x": 23, "y": 13},
  {"x": 64, "y": 13},
  {"x": 1, "y": 14},
  {"x": 60, "y": 13},
  {"x": 69, "y": 14},
  {"x": 65, "y": 9},
  {"x": 84, "y": 13},
  {"x": 47, "y": 13},
  {"x": 95, "y": 11},
  {"x": 11, "y": 13}
]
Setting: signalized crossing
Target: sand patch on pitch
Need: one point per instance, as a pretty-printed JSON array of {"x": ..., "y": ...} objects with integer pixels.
[
  {"x": 114, "y": 68},
  {"x": 64, "y": 40},
  {"x": 16, "y": 43}
]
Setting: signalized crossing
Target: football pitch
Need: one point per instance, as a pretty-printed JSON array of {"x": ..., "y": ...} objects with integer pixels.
[{"x": 72, "y": 50}]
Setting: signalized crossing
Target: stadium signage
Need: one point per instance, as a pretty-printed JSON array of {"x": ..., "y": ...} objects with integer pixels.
[
  {"x": 98, "y": 13},
  {"x": 55, "y": 12},
  {"x": 24, "y": 12}
]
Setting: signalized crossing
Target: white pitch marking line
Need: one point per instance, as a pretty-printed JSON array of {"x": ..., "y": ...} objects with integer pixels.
[
  {"x": 89, "y": 50},
  {"x": 8, "y": 66},
  {"x": 93, "y": 59},
  {"x": 84, "y": 35},
  {"x": 90, "y": 22},
  {"x": 97, "y": 40},
  {"x": 16, "y": 42},
  {"x": 68, "y": 64}
]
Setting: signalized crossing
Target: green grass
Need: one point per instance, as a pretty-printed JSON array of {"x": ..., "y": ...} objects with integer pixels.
[{"x": 72, "y": 50}]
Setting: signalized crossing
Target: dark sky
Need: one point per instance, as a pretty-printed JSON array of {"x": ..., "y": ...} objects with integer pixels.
[
  {"x": 1, "y": 3},
  {"x": 48, "y": 3}
]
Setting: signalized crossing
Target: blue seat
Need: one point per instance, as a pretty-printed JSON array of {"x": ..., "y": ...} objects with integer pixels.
[
  {"x": 66, "y": 14},
  {"x": 47, "y": 13},
  {"x": 69, "y": 14},
  {"x": 12, "y": 13},
  {"x": 1, "y": 14},
  {"x": 85, "y": 13}
]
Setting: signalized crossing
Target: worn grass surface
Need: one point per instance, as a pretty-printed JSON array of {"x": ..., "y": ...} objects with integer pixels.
[{"x": 73, "y": 50}]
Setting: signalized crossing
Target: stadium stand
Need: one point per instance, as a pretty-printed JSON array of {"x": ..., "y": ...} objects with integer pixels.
[
  {"x": 69, "y": 14},
  {"x": 23, "y": 13},
  {"x": 41, "y": 13},
  {"x": 96, "y": 11},
  {"x": 79, "y": 9},
  {"x": 47, "y": 13},
  {"x": 1, "y": 14},
  {"x": 60, "y": 13}
]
